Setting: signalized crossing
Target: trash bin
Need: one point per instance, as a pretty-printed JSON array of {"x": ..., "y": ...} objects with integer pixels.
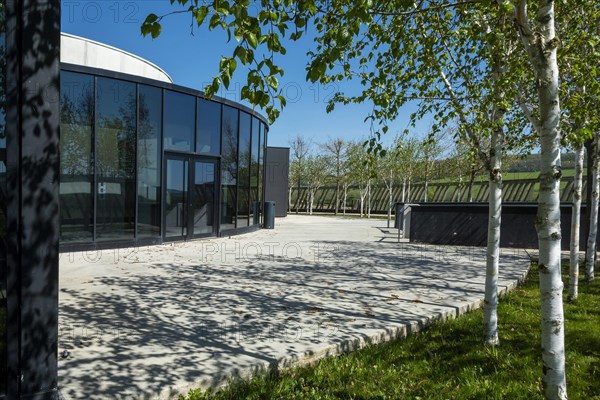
[{"x": 269, "y": 214}]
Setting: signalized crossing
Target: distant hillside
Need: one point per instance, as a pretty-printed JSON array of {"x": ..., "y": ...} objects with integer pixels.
[{"x": 531, "y": 163}]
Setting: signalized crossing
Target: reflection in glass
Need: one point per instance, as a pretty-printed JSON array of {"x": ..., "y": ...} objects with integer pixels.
[
  {"x": 244, "y": 171},
  {"x": 208, "y": 135},
  {"x": 76, "y": 160},
  {"x": 254, "y": 206},
  {"x": 229, "y": 167},
  {"x": 180, "y": 121},
  {"x": 115, "y": 159},
  {"x": 203, "y": 197},
  {"x": 3, "y": 269},
  {"x": 148, "y": 162},
  {"x": 176, "y": 199}
]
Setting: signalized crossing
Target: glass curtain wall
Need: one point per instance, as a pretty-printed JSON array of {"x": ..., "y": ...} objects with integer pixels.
[
  {"x": 113, "y": 133},
  {"x": 115, "y": 158},
  {"x": 243, "y": 205},
  {"x": 149, "y": 160},
  {"x": 229, "y": 167},
  {"x": 76, "y": 157}
]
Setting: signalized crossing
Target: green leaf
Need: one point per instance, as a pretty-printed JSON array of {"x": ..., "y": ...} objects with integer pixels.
[
  {"x": 272, "y": 82},
  {"x": 214, "y": 21},
  {"x": 151, "y": 18},
  {"x": 200, "y": 14},
  {"x": 252, "y": 40}
]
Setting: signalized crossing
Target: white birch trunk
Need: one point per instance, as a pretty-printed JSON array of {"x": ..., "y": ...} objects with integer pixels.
[
  {"x": 426, "y": 189},
  {"x": 403, "y": 189},
  {"x": 490, "y": 303},
  {"x": 541, "y": 47},
  {"x": 590, "y": 251},
  {"x": 390, "y": 198},
  {"x": 345, "y": 198},
  {"x": 575, "y": 218},
  {"x": 369, "y": 199},
  {"x": 362, "y": 194}
]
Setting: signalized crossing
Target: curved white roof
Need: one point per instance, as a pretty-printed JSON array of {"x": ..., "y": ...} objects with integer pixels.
[{"x": 89, "y": 53}]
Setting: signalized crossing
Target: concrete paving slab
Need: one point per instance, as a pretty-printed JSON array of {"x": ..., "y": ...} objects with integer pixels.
[{"x": 155, "y": 321}]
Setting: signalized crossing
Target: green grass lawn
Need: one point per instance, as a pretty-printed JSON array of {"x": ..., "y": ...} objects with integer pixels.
[{"x": 448, "y": 361}]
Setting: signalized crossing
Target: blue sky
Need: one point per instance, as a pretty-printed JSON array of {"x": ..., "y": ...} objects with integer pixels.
[{"x": 192, "y": 61}]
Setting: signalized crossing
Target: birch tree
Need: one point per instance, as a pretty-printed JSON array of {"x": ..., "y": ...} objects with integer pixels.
[
  {"x": 335, "y": 152},
  {"x": 590, "y": 251},
  {"x": 407, "y": 152},
  {"x": 539, "y": 40},
  {"x": 575, "y": 224},
  {"x": 389, "y": 169},
  {"x": 580, "y": 84},
  {"x": 430, "y": 151},
  {"x": 317, "y": 172},
  {"x": 360, "y": 171},
  {"x": 300, "y": 149}
]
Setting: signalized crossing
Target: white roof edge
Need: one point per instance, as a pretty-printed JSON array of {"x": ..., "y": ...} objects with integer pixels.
[{"x": 120, "y": 51}]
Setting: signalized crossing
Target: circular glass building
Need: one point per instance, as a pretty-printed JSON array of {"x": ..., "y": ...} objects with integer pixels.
[{"x": 144, "y": 161}]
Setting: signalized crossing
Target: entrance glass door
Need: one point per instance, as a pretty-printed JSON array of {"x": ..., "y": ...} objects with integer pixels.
[
  {"x": 203, "y": 197},
  {"x": 190, "y": 197},
  {"x": 176, "y": 198}
]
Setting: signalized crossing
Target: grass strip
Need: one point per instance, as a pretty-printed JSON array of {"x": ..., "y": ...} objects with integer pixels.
[{"x": 448, "y": 361}]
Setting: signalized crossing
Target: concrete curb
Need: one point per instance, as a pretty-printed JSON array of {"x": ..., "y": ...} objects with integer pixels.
[{"x": 346, "y": 346}]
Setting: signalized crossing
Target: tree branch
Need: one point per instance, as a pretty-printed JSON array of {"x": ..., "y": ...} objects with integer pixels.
[
  {"x": 522, "y": 19},
  {"x": 418, "y": 10},
  {"x": 529, "y": 114}
]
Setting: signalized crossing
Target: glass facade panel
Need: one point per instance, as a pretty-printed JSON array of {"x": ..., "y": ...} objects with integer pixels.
[
  {"x": 3, "y": 269},
  {"x": 208, "y": 134},
  {"x": 176, "y": 198},
  {"x": 244, "y": 171},
  {"x": 149, "y": 160},
  {"x": 229, "y": 165},
  {"x": 180, "y": 121},
  {"x": 115, "y": 158},
  {"x": 203, "y": 197},
  {"x": 76, "y": 158},
  {"x": 254, "y": 206}
]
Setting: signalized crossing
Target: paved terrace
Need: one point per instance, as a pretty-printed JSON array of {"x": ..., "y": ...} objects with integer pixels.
[{"x": 154, "y": 321}]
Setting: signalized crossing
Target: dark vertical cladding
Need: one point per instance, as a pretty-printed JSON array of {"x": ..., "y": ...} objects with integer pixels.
[
  {"x": 276, "y": 178},
  {"x": 33, "y": 41},
  {"x": 3, "y": 271}
]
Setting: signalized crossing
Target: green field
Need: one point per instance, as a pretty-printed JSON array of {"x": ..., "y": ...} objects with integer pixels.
[{"x": 508, "y": 176}]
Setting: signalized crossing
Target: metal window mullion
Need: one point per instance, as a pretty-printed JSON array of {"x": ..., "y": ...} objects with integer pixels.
[
  {"x": 94, "y": 161},
  {"x": 218, "y": 176},
  {"x": 135, "y": 161},
  {"x": 237, "y": 169},
  {"x": 163, "y": 165}
]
